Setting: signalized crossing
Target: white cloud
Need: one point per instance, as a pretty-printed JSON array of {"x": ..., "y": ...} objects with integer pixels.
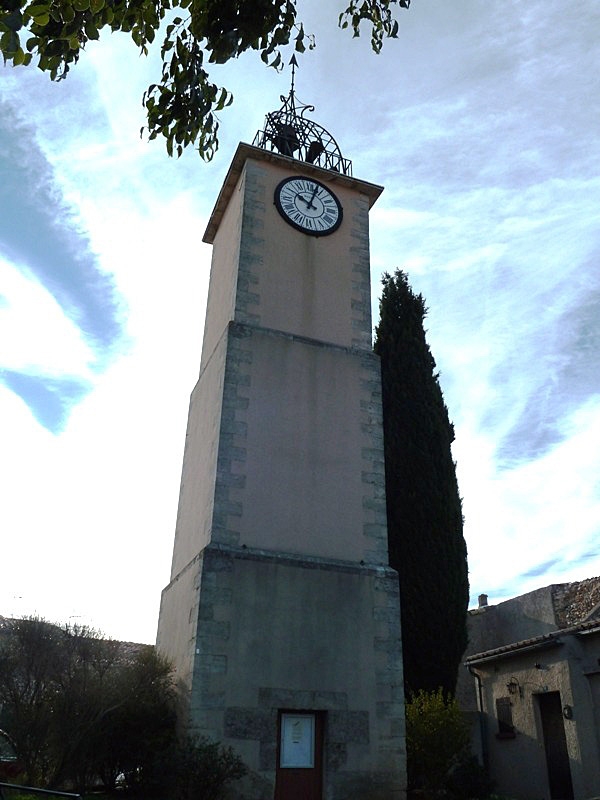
[
  {"x": 542, "y": 510},
  {"x": 41, "y": 338}
]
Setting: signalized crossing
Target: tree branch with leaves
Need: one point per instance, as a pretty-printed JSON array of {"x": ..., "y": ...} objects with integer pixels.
[{"x": 183, "y": 105}]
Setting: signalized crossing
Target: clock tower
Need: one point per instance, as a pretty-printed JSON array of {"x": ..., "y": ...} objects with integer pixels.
[{"x": 282, "y": 614}]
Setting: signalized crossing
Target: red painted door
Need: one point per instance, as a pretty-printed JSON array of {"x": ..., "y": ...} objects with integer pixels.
[{"x": 300, "y": 756}]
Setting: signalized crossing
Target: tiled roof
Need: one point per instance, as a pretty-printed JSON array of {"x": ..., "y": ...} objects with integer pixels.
[{"x": 545, "y": 640}]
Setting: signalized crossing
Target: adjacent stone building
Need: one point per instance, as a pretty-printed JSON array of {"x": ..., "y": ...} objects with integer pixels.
[{"x": 532, "y": 686}]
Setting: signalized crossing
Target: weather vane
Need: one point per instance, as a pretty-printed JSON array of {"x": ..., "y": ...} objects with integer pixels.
[{"x": 290, "y": 133}]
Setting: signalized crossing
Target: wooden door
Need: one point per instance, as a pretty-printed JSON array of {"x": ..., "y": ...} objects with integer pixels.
[{"x": 300, "y": 756}]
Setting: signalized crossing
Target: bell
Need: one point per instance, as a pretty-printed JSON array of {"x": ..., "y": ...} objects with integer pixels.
[
  {"x": 286, "y": 139},
  {"x": 315, "y": 149}
]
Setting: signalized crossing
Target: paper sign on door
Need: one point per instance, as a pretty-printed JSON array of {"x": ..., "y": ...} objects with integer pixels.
[{"x": 297, "y": 740}]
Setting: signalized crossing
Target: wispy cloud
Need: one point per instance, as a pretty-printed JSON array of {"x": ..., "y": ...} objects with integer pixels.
[
  {"x": 57, "y": 301},
  {"x": 42, "y": 233},
  {"x": 50, "y": 399}
]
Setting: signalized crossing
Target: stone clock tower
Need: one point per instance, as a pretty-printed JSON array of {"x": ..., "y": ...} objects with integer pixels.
[{"x": 282, "y": 614}]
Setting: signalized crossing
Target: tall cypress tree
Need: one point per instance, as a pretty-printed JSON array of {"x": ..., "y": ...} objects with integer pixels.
[{"x": 425, "y": 524}]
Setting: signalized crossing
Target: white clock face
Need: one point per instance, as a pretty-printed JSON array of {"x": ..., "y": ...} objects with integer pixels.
[{"x": 308, "y": 205}]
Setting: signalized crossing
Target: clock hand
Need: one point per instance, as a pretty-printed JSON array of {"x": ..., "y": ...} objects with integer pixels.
[{"x": 309, "y": 203}]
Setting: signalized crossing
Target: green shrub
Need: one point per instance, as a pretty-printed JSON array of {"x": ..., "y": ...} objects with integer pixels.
[
  {"x": 437, "y": 741},
  {"x": 205, "y": 768},
  {"x": 194, "y": 769}
]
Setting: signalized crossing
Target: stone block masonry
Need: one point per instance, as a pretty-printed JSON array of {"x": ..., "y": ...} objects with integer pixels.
[{"x": 275, "y": 635}]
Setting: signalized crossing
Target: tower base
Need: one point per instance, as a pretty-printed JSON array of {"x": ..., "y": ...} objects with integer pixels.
[{"x": 274, "y": 635}]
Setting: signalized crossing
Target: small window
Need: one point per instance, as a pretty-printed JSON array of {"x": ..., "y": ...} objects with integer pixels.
[{"x": 506, "y": 729}]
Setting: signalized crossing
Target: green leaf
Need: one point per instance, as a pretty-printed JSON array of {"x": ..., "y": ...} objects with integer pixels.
[
  {"x": 9, "y": 44},
  {"x": 20, "y": 57},
  {"x": 68, "y": 13},
  {"x": 37, "y": 10},
  {"x": 13, "y": 21},
  {"x": 91, "y": 31}
]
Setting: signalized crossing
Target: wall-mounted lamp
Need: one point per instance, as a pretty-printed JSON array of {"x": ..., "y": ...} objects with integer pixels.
[
  {"x": 544, "y": 667},
  {"x": 568, "y": 712},
  {"x": 514, "y": 687}
]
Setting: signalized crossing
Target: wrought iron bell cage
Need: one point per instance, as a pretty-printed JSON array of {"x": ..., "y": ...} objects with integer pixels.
[{"x": 291, "y": 134}]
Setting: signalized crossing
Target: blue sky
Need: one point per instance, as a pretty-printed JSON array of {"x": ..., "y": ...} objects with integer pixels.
[{"x": 481, "y": 123}]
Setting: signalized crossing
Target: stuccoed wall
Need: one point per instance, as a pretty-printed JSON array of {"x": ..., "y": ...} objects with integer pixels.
[
  {"x": 519, "y": 618},
  {"x": 300, "y": 465},
  {"x": 492, "y": 626}
]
